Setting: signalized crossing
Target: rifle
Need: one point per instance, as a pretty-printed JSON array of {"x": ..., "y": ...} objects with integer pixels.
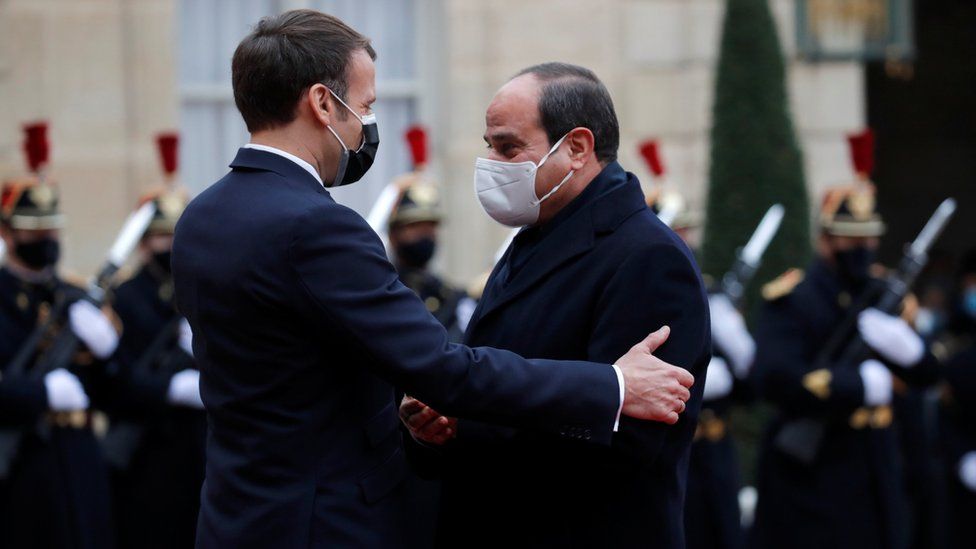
[
  {"x": 379, "y": 215},
  {"x": 749, "y": 258},
  {"x": 66, "y": 343},
  {"x": 802, "y": 438}
]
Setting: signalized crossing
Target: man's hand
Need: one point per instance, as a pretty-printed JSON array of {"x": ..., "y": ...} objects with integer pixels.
[
  {"x": 891, "y": 337},
  {"x": 425, "y": 424},
  {"x": 730, "y": 335},
  {"x": 64, "y": 391},
  {"x": 655, "y": 390},
  {"x": 184, "y": 389},
  {"x": 93, "y": 328},
  {"x": 967, "y": 470}
]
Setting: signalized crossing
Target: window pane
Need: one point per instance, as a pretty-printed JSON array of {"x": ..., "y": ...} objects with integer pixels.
[
  {"x": 389, "y": 24},
  {"x": 212, "y": 128}
]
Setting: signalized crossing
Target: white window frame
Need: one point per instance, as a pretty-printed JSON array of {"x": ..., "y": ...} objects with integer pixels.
[{"x": 422, "y": 88}]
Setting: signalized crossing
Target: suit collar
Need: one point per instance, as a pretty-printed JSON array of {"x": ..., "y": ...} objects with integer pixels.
[
  {"x": 297, "y": 160},
  {"x": 612, "y": 197},
  {"x": 255, "y": 159}
]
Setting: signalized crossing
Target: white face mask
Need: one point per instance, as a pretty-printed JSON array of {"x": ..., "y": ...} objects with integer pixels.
[{"x": 506, "y": 190}]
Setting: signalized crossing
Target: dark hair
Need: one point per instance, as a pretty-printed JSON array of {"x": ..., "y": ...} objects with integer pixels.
[
  {"x": 573, "y": 97},
  {"x": 285, "y": 55}
]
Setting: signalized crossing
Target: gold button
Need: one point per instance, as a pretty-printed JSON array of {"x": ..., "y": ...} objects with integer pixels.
[
  {"x": 882, "y": 417},
  {"x": 818, "y": 383},
  {"x": 860, "y": 418}
]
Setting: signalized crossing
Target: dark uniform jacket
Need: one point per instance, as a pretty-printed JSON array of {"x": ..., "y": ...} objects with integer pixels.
[
  {"x": 712, "y": 515},
  {"x": 586, "y": 285},
  {"x": 852, "y": 494},
  {"x": 959, "y": 437},
  {"x": 56, "y": 494},
  {"x": 441, "y": 299},
  {"x": 301, "y": 327},
  {"x": 156, "y": 449}
]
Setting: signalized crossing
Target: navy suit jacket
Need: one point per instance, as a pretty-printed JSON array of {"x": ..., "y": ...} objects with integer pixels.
[
  {"x": 300, "y": 327},
  {"x": 605, "y": 275}
]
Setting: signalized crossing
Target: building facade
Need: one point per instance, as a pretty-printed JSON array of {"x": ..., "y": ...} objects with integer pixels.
[{"x": 110, "y": 74}]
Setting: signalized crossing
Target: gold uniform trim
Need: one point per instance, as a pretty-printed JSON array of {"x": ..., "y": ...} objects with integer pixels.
[
  {"x": 782, "y": 285},
  {"x": 77, "y": 419},
  {"x": 710, "y": 427},
  {"x": 818, "y": 383},
  {"x": 879, "y": 417}
]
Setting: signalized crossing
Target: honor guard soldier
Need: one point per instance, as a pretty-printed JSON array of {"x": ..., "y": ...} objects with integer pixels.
[
  {"x": 712, "y": 517},
  {"x": 156, "y": 441},
  {"x": 413, "y": 235},
  {"x": 54, "y": 491},
  {"x": 830, "y": 470},
  {"x": 959, "y": 410}
]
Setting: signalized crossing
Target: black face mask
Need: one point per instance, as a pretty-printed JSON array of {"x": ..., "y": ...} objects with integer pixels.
[
  {"x": 162, "y": 261},
  {"x": 416, "y": 254},
  {"x": 854, "y": 265},
  {"x": 40, "y": 254},
  {"x": 353, "y": 165}
]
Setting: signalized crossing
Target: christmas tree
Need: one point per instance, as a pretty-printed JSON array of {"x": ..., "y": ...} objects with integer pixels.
[{"x": 755, "y": 159}]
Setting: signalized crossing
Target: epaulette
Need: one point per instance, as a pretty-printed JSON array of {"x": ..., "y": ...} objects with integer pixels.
[{"x": 782, "y": 285}]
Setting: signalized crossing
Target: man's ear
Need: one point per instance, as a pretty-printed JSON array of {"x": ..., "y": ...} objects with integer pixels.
[
  {"x": 581, "y": 144},
  {"x": 319, "y": 101}
]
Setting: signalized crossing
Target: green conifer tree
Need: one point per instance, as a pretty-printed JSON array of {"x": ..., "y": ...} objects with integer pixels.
[{"x": 755, "y": 159}]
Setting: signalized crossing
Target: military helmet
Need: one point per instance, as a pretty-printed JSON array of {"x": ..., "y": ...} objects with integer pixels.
[
  {"x": 419, "y": 199},
  {"x": 170, "y": 198},
  {"x": 662, "y": 199},
  {"x": 418, "y": 202},
  {"x": 32, "y": 202},
  {"x": 170, "y": 204},
  {"x": 851, "y": 210},
  {"x": 674, "y": 206}
]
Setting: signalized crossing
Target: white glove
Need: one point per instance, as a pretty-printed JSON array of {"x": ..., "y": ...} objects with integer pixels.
[
  {"x": 967, "y": 470},
  {"x": 64, "y": 391},
  {"x": 891, "y": 337},
  {"x": 93, "y": 328},
  {"x": 718, "y": 380},
  {"x": 186, "y": 337},
  {"x": 877, "y": 382},
  {"x": 184, "y": 389},
  {"x": 730, "y": 335}
]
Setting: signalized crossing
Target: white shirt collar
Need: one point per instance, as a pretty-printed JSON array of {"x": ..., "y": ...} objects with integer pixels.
[{"x": 305, "y": 165}]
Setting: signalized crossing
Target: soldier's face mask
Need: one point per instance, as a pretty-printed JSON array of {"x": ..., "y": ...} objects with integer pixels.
[
  {"x": 39, "y": 254},
  {"x": 353, "y": 164},
  {"x": 162, "y": 261},
  {"x": 506, "y": 190},
  {"x": 969, "y": 302},
  {"x": 854, "y": 265},
  {"x": 416, "y": 253}
]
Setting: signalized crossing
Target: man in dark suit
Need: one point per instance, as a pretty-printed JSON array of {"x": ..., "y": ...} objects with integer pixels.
[
  {"x": 593, "y": 269},
  {"x": 300, "y": 324}
]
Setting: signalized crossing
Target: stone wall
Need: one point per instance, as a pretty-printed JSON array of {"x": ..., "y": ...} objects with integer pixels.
[{"x": 102, "y": 72}]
